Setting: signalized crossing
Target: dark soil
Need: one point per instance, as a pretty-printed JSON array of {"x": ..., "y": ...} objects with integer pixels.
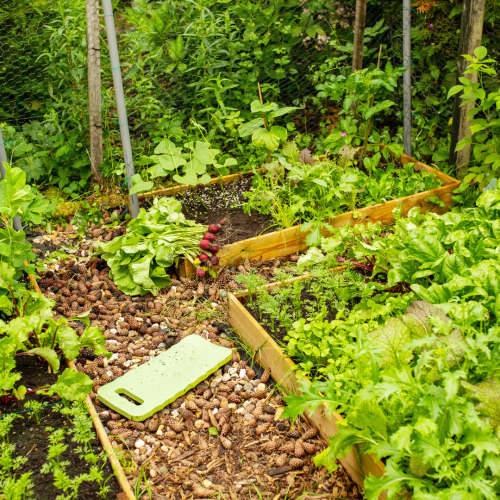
[
  {"x": 31, "y": 440},
  {"x": 211, "y": 204}
]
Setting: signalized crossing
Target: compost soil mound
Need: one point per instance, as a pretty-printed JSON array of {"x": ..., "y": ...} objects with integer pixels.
[
  {"x": 31, "y": 440},
  {"x": 211, "y": 204}
]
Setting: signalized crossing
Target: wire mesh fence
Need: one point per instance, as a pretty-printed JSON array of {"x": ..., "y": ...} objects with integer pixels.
[{"x": 194, "y": 66}]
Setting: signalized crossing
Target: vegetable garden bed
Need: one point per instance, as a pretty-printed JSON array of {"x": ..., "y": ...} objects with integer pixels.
[
  {"x": 293, "y": 240},
  {"x": 271, "y": 357}
]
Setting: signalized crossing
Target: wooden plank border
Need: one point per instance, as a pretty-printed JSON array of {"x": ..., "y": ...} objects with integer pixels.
[{"x": 271, "y": 357}]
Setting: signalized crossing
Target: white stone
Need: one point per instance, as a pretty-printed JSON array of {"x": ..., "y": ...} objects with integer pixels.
[
  {"x": 112, "y": 341},
  {"x": 136, "y": 361},
  {"x": 261, "y": 387},
  {"x": 215, "y": 410},
  {"x": 161, "y": 345},
  {"x": 232, "y": 406},
  {"x": 113, "y": 357},
  {"x": 206, "y": 483},
  {"x": 139, "y": 443},
  {"x": 105, "y": 362},
  {"x": 110, "y": 373},
  {"x": 226, "y": 377},
  {"x": 113, "y": 330},
  {"x": 243, "y": 372},
  {"x": 238, "y": 388},
  {"x": 248, "y": 387},
  {"x": 175, "y": 413},
  {"x": 246, "y": 403},
  {"x": 240, "y": 410},
  {"x": 232, "y": 370},
  {"x": 255, "y": 383},
  {"x": 164, "y": 449}
]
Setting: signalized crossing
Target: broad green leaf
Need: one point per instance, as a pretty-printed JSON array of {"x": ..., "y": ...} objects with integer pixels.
[
  {"x": 455, "y": 90},
  {"x": 189, "y": 178},
  {"x": 72, "y": 385},
  {"x": 487, "y": 393},
  {"x": 480, "y": 52},
  {"x": 93, "y": 338},
  {"x": 464, "y": 142},
  {"x": 281, "y": 111},
  {"x": 48, "y": 354},
  {"x": 417, "y": 316},
  {"x": 246, "y": 129},
  {"x": 269, "y": 139},
  {"x": 392, "y": 338},
  {"x": 257, "y": 107}
]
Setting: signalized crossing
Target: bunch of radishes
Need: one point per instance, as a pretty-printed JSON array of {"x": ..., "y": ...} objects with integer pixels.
[{"x": 207, "y": 244}]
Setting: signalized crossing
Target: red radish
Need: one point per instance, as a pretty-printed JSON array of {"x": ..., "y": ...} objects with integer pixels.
[
  {"x": 221, "y": 222},
  {"x": 214, "y": 260},
  {"x": 204, "y": 257},
  {"x": 213, "y": 228},
  {"x": 209, "y": 237},
  {"x": 200, "y": 272},
  {"x": 205, "y": 245},
  {"x": 214, "y": 249}
]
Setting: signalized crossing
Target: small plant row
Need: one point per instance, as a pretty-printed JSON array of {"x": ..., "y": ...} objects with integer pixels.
[{"x": 410, "y": 356}]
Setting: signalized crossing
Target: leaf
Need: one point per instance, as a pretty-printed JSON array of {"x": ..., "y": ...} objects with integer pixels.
[
  {"x": 94, "y": 339},
  {"x": 246, "y": 129},
  {"x": 189, "y": 178},
  {"x": 487, "y": 393},
  {"x": 213, "y": 431},
  {"x": 464, "y": 142},
  {"x": 270, "y": 139},
  {"x": 480, "y": 52},
  {"x": 281, "y": 111},
  {"x": 138, "y": 185},
  {"x": 455, "y": 90},
  {"x": 424, "y": 247},
  {"x": 306, "y": 157},
  {"x": 392, "y": 338},
  {"x": 378, "y": 107},
  {"x": 416, "y": 318},
  {"x": 48, "y": 354},
  {"x": 72, "y": 385},
  {"x": 257, "y": 107}
]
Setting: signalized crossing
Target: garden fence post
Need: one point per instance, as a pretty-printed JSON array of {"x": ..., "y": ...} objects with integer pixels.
[
  {"x": 3, "y": 158},
  {"x": 407, "y": 76},
  {"x": 94, "y": 76},
  {"x": 359, "y": 35},
  {"x": 471, "y": 33},
  {"x": 120, "y": 101}
]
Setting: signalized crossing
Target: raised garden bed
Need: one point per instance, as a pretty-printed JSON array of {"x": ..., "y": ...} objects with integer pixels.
[
  {"x": 292, "y": 240},
  {"x": 271, "y": 357}
]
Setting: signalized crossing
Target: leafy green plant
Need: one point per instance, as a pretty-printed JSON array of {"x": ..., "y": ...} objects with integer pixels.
[
  {"x": 33, "y": 332},
  {"x": 264, "y": 133},
  {"x": 483, "y": 118},
  {"x": 35, "y": 409},
  {"x": 12, "y": 486},
  {"x": 155, "y": 240}
]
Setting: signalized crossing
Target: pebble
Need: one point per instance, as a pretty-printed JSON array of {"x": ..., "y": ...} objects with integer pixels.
[
  {"x": 232, "y": 406},
  {"x": 243, "y": 372},
  {"x": 175, "y": 413},
  {"x": 161, "y": 345},
  {"x": 226, "y": 377},
  {"x": 255, "y": 383},
  {"x": 206, "y": 483},
  {"x": 261, "y": 387},
  {"x": 165, "y": 450},
  {"x": 139, "y": 443},
  {"x": 113, "y": 331},
  {"x": 248, "y": 387},
  {"x": 238, "y": 388},
  {"x": 240, "y": 410},
  {"x": 224, "y": 403},
  {"x": 163, "y": 469},
  {"x": 159, "y": 432},
  {"x": 199, "y": 424}
]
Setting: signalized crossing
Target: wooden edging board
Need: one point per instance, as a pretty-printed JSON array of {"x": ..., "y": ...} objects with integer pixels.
[
  {"x": 271, "y": 357},
  {"x": 172, "y": 191},
  {"x": 292, "y": 240}
]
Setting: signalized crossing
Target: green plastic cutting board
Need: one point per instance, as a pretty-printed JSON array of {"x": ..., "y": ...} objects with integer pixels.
[{"x": 164, "y": 378}]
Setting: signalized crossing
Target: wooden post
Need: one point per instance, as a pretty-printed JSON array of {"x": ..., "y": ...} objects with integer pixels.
[
  {"x": 471, "y": 33},
  {"x": 359, "y": 35},
  {"x": 94, "y": 72}
]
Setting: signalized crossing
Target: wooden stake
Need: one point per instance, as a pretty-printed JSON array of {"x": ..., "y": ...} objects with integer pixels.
[
  {"x": 471, "y": 33},
  {"x": 359, "y": 35}
]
